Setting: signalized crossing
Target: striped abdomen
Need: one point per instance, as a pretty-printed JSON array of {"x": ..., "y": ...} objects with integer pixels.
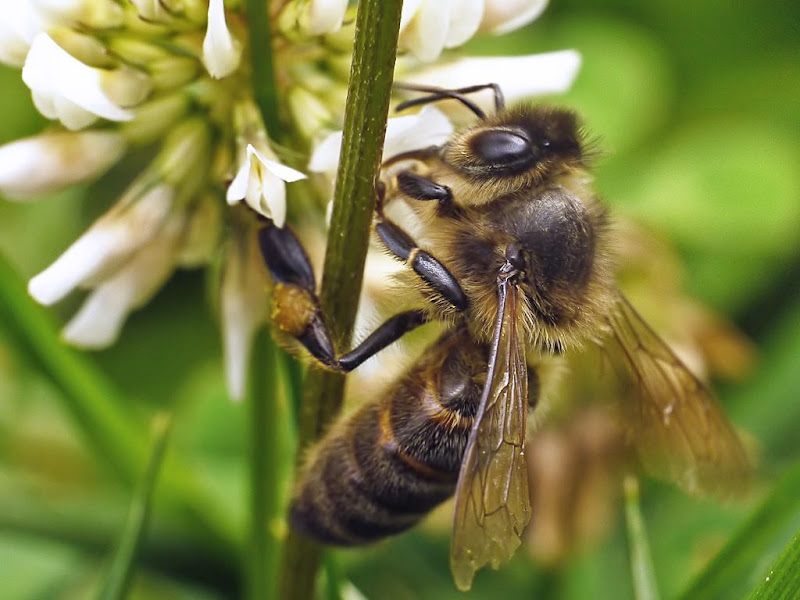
[{"x": 387, "y": 465}]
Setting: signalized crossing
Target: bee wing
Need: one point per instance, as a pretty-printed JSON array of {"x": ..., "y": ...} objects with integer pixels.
[
  {"x": 492, "y": 501},
  {"x": 681, "y": 433}
]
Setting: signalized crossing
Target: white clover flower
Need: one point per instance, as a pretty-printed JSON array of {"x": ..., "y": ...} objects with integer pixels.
[
  {"x": 99, "y": 320},
  {"x": 518, "y": 76},
  {"x": 170, "y": 77},
  {"x": 19, "y": 25},
  {"x": 429, "y": 127},
  {"x": 222, "y": 53},
  {"x": 244, "y": 300},
  {"x": 109, "y": 243},
  {"x": 50, "y": 161},
  {"x": 64, "y": 88},
  {"x": 324, "y": 16},
  {"x": 503, "y": 16},
  {"x": 261, "y": 182},
  {"x": 23, "y": 20},
  {"x": 429, "y": 26}
]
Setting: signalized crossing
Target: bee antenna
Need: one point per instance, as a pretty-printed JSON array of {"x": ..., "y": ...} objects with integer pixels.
[
  {"x": 444, "y": 95},
  {"x": 435, "y": 94}
]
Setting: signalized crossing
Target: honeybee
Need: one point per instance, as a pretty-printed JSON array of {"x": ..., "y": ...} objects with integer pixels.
[{"x": 518, "y": 266}]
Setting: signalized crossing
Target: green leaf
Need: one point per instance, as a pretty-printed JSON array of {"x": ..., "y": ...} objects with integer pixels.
[
  {"x": 123, "y": 561},
  {"x": 742, "y": 559},
  {"x": 782, "y": 581}
]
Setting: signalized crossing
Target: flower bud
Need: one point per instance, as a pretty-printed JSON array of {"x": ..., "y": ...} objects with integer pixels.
[
  {"x": 155, "y": 117},
  {"x": 323, "y": 16},
  {"x": 221, "y": 51}
]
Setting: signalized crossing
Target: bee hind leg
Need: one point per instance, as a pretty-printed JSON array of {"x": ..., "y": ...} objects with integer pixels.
[
  {"x": 296, "y": 309},
  {"x": 388, "y": 332}
]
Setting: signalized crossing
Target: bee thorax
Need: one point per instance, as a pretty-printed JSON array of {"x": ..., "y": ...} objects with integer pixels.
[{"x": 558, "y": 236}]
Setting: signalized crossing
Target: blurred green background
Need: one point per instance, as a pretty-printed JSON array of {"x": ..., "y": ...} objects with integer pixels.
[{"x": 697, "y": 109}]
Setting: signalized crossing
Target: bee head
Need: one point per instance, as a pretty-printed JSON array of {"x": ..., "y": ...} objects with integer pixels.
[{"x": 525, "y": 144}]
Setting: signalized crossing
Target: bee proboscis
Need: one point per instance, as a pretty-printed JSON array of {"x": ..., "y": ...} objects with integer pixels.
[{"x": 515, "y": 260}]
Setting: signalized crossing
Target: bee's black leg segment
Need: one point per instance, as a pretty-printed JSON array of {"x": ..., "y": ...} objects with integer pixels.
[
  {"x": 432, "y": 272},
  {"x": 317, "y": 341},
  {"x": 436, "y": 275},
  {"x": 284, "y": 256},
  {"x": 295, "y": 308},
  {"x": 390, "y": 331},
  {"x": 422, "y": 188},
  {"x": 397, "y": 241},
  {"x": 499, "y": 99}
]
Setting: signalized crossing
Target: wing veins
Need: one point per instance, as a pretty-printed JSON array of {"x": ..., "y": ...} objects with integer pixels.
[
  {"x": 492, "y": 502},
  {"x": 683, "y": 434}
]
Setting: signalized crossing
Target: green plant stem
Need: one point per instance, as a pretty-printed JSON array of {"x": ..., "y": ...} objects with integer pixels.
[
  {"x": 644, "y": 579},
  {"x": 263, "y": 76},
  {"x": 124, "y": 559},
  {"x": 368, "y": 94},
  {"x": 734, "y": 564},
  {"x": 266, "y": 476}
]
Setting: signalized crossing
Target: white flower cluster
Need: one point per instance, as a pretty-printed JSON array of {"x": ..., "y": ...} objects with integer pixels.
[
  {"x": 429, "y": 26},
  {"x": 171, "y": 75}
]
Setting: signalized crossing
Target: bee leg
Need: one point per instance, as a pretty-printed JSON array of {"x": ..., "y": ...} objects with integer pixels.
[
  {"x": 421, "y": 188},
  {"x": 388, "y": 332},
  {"x": 430, "y": 270},
  {"x": 295, "y": 308}
]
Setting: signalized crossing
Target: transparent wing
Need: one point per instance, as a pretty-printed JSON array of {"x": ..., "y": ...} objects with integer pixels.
[
  {"x": 492, "y": 500},
  {"x": 679, "y": 431}
]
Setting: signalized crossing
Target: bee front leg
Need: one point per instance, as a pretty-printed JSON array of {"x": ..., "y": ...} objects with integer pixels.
[
  {"x": 430, "y": 270},
  {"x": 421, "y": 188}
]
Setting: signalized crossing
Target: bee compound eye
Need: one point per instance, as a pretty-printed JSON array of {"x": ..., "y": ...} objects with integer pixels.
[{"x": 504, "y": 151}]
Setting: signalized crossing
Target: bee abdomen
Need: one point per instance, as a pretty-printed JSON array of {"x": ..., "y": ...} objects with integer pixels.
[
  {"x": 385, "y": 467},
  {"x": 361, "y": 485}
]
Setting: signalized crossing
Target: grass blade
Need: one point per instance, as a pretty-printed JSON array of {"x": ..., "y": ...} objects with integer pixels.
[
  {"x": 752, "y": 544},
  {"x": 100, "y": 412},
  {"x": 782, "y": 581},
  {"x": 271, "y": 452},
  {"x": 112, "y": 432},
  {"x": 644, "y": 579},
  {"x": 124, "y": 559}
]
